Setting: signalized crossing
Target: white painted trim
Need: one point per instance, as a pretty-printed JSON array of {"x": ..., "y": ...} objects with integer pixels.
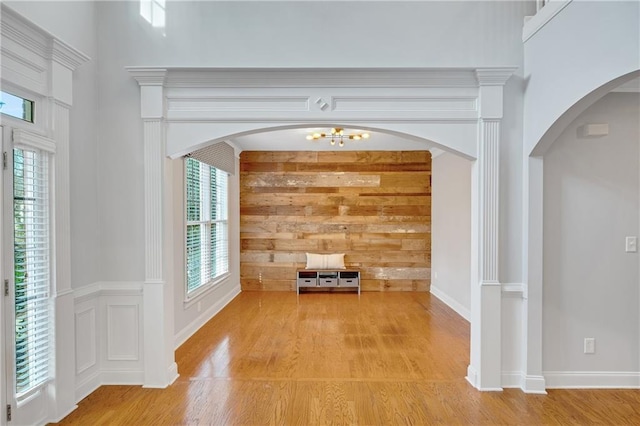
[
  {"x": 451, "y": 302},
  {"x": 534, "y": 384},
  {"x": 528, "y": 384},
  {"x": 592, "y": 379},
  {"x": 304, "y": 77},
  {"x": 107, "y": 288},
  {"x": 436, "y": 152},
  {"x": 122, "y": 377},
  {"x": 515, "y": 289},
  {"x": 88, "y": 386},
  {"x": 99, "y": 297},
  {"x": 196, "y": 324},
  {"x": 61, "y": 416},
  {"x": 512, "y": 379},
  {"x": 540, "y": 19},
  {"x": 34, "y": 140},
  {"x": 163, "y": 135}
]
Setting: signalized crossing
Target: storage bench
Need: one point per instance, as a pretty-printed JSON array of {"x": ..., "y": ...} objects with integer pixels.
[{"x": 344, "y": 278}]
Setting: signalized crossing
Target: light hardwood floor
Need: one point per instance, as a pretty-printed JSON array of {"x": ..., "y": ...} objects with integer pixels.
[{"x": 336, "y": 358}]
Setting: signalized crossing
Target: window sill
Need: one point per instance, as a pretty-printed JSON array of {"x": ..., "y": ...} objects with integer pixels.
[{"x": 204, "y": 290}]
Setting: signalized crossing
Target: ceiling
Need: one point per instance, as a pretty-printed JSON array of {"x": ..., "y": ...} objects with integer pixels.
[{"x": 295, "y": 140}]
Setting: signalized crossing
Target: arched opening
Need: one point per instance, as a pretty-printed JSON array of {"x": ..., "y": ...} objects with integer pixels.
[
  {"x": 462, "y": 107},
  {"x": 583, "y": 192}
]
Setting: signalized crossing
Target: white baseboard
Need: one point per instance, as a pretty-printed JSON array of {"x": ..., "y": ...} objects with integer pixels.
[
  {"x": 534, "y": 384},
  {"x": 122, "y": 377},
  {"x": 592, "y": 379},
  {"x": 450, "y": 302},
  {"x": 472, "y": 376},
  {"x": 511, "y": 379},
  {"x": 195, "y": 325},
  {"x": 100, "y": 378},
  {"x": 86, "y": 387},
  {"x": 60, "y": 417},
  {"x": 528, "y": 384}
]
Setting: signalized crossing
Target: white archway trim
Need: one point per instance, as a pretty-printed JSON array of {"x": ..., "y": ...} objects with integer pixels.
[{"x": 460, "y": 109}]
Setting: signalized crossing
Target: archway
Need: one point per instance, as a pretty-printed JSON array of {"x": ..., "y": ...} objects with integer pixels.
[
  {"x": 461, "y": 108},
  {"x": 533, "y": 251}
]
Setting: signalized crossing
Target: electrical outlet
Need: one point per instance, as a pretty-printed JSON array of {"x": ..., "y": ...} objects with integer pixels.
[
  {"x": 631, "y": 244},
  {"x": 589, "y": 345}
]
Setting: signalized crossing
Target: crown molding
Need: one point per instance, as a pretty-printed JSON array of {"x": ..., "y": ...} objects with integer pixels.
[
  {"x": 67, "y": 55},
  {"x": 307, "y": 77},
  {"x": 148, "y": 76},
  {"x": 44, "y": 44},
  {"x": 494, "y": 76}
]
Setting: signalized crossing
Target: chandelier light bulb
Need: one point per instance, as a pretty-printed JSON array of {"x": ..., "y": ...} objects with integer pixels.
[{"x": 338, "y": 134}]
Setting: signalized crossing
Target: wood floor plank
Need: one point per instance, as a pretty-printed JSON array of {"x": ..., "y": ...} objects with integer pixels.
[{"x": 338, "y": 358}]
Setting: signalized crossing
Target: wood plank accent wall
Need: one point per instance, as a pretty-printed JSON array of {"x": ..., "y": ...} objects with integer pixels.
[{"x": 374, "y": 206}]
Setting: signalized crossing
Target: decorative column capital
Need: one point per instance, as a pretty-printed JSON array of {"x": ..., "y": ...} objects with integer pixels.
[
  {"x": 148, "y": 76},
  {"x": 151, "y": 81},
  {"x": 494, "y": 76}
]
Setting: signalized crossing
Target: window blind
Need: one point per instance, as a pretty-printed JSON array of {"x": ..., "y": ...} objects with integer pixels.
[
  {"x": 220, "y": 155},
  {"x": 31, "y": 268},
  {"x": 207, "y": 242}
]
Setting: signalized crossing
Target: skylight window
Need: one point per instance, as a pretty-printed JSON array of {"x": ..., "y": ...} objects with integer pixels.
[
  {"x": 153, "y": 11},
  {"x": 16, "y": 106}
]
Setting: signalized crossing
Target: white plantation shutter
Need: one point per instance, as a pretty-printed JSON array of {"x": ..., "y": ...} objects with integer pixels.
[
  {"x": 32, "y": 269},
  {"x": 207, "y": 246}
]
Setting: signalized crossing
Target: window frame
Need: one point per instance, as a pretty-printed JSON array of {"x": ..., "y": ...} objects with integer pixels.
[
  {"x": 202, "y": 289},
  {"x": 44, "y": 147}
]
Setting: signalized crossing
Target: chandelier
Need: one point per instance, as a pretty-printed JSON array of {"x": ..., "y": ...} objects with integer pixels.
[{"x": 338, "y": 135}]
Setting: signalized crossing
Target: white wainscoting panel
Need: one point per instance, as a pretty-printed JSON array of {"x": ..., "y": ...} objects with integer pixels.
[
  {"x": 123, "y": 330},
  {"x": 108, "y": 318},
  {"x": 86, "y": 339}
]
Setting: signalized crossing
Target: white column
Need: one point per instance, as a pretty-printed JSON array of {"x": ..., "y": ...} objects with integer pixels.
[
  {"x": 533, "y": 173},
  {"x": 160, "y": 369},
  {"x": 484, "y": 371},
  {"x": 64, "y": 60}
]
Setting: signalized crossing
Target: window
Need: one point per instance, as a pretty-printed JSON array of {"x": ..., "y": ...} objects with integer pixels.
[
  {"x": 153, "y": 11},
  {"x": 207, "y": 242},
  {"x": 31, "y": 268},
  {"x": 16, "y": 106}
]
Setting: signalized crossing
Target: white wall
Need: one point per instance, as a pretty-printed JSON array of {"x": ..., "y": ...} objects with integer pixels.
[
  {"x": 591, "y": 204},
  {"x": 451, "y": 232},
  {"x": 598, "y": 36},
  {"x": 75, "y": 23}
]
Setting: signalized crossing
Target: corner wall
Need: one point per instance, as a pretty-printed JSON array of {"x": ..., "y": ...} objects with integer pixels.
[{"x": 451, "y": 232}]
